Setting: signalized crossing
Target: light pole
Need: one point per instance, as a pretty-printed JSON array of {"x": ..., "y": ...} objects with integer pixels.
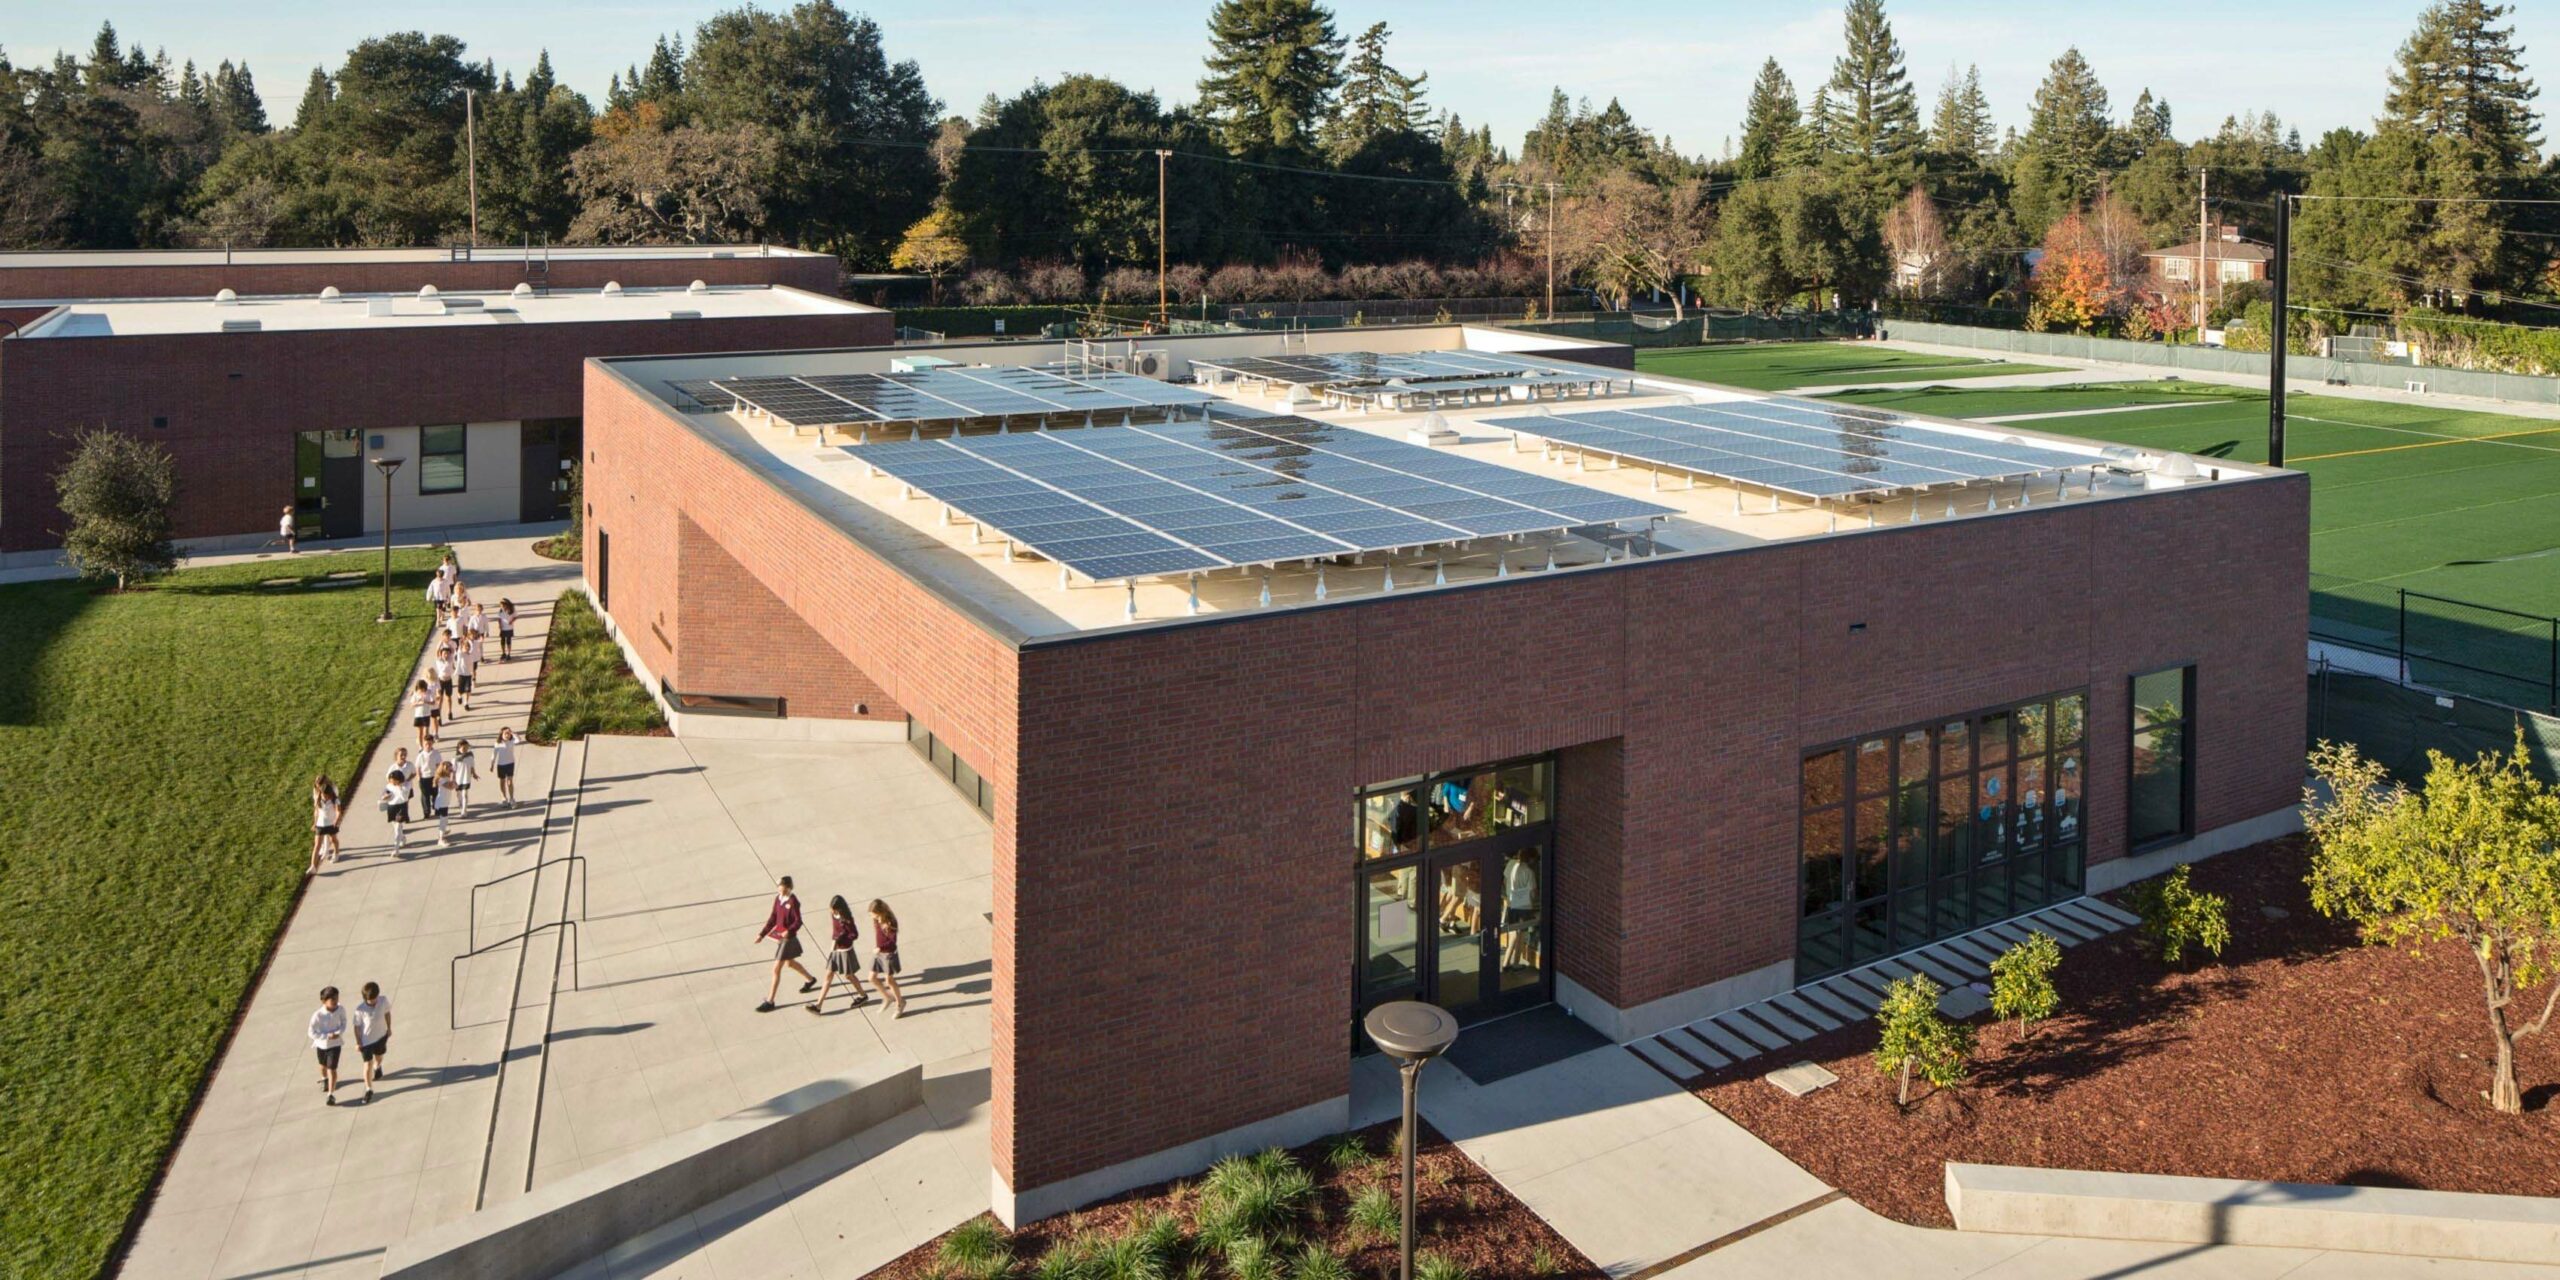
[
  {"x": 1412, "y": 1033},
  {"x": 386, "y": 466}
]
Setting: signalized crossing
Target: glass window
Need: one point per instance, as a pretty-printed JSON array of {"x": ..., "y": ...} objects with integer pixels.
[
  {"x": 1824, "y": 832},
  {"x": 1822, "y": 780},
  {"x": 1915, "y": 756},
  {"x": 1460, "y": 808},
  {"x": 1955, "y": 754},
  {"x": 1991, "y": 743},
  {"x": 1520, "y": 795},
  {"x": 1955, "y": 819},
  {"x": 1390, "y": 824},
  {"x": 1390, "y": 917},
  {"x": 2157, "y": 802},
  {"x": 1875, "y": 767},
  {"x": 1871, "y": 836},
  {"x": 441, "y": 460},
  {"x": 2031, "y": 729},
  {"x": 2070, "y": 716}
]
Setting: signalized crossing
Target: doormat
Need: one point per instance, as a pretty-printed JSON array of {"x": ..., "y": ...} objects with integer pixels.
[{"x": 1505, "y": 1047}]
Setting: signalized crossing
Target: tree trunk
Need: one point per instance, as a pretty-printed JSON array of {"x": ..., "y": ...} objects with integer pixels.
[
  {"x": 2498, "y": 988},
  {"x": 1903, "y": 1099}
]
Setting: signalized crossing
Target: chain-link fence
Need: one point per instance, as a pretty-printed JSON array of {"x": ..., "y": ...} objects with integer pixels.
[
  {"x": 2398, "y": 724},
  {"x": 2520, "y": 387}
]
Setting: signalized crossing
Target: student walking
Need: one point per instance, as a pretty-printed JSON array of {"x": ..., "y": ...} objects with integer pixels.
[
  {"x": 466, "y": 770},
  {"x": 424, "y": 776},
  {"x": 782, "y": 928},
  {"x": 373, "y": 1033},
  {"x": 506, "y": 629},
  {"x": 884, "y": 956},
  {"x": 328, "y": 1034},
  {"x": 395, "y": 802},
  {"x": 441, "y": 670},
  {"x": 422, "y": 712},
  {"x": 439, "y": 594},
  {"x": 841, "y": 961},
  {"x": 324, "y": 822},
  {"x": 285, "y": 529},
  {"x": 446, "y": 798},
  {"x": 462, "y": 667},
  {"x": 503, "y": 754}
]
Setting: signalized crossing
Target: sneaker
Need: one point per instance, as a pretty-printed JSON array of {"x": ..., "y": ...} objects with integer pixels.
[
  {"x": 368, "y": 1094},
  {"x": 764, "y": 1006},
  {"x": 809, "y": 986},
  {"x": 814, "y": 1011},
  {"x": 328, "y": 1099}
]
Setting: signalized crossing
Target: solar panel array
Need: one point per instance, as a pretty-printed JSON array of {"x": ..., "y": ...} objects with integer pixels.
[
  {"x": 1174, "y": 497},
  {"x": 1369, "y": 366},
  {"x": 1795, "y": 446},
  {"x": 947, "y": 394}
]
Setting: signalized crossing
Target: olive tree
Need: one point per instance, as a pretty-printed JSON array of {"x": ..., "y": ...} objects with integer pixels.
[
  {"x": 116, "y": 491},
  {"x": 2022, "y": 980},
  {"x": 1915, "y": 1039},
  {"x": 2471, "y": 857}
]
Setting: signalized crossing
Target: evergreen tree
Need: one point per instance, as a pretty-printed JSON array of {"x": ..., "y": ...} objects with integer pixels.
[
  {"x": 235, "y": 100},
  {"x": 1961, "y": 127},
  {"x": 1273, "y": 68},
  {"x": 1873, "y": 112},
  {"x": 316, "y": 93},
  {"x": 1376, "y": 98},
  {"x": 2068, "y": 146},
  {"x": 2461, "y": 75}
]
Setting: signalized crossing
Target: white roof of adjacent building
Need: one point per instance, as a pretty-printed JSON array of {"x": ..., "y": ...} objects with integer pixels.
[
  {"x": 485, "y": 253},
  {"x": 424, "y": 309}
]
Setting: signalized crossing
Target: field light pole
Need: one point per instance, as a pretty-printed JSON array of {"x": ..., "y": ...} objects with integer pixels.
[
  {"x": 386, "y": 466},
  {"x": 1163, "y": 321},
  {"x": 2283, "y": 329},
  {"x": 1412, "y": 1033}
]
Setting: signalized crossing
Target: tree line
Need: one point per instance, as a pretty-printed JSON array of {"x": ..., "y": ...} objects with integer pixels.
[{"x": 1308, "y": 164}]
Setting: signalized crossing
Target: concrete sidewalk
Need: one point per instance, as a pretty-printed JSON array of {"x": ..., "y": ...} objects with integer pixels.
[
  {"x": 268, "y": 1182},
  {"x": 1648, "y": 1180}
]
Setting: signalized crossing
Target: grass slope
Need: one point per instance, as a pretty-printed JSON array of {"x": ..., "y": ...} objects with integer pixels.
[
  {"x": 1776, "y": 366},
  {"x": 586, "y": 687},
  {"x": 156, "y": 750}
]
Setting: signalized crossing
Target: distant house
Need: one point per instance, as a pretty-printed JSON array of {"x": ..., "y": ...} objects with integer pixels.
[{"x": 2227, "y": 260}]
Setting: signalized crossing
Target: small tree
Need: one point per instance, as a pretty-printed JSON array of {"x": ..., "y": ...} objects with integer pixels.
[
  {"x": 933, "y": 247},
  {"x": 2022, "y": 980},
  {"x": 116, "y": 490},
  {"x": 1917, "y": 1039},
  {"x": 2175, "y": 915},
  {"x": 2474, "y": 856}
]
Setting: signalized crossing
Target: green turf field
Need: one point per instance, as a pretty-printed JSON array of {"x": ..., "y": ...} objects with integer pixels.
[
  {"x": 2447, "y": 502},
  {"x": 1777, "y": 366},
  {"x": 156, "y": 753}
]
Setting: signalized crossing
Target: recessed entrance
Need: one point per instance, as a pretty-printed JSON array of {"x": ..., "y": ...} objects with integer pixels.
[{"x": 1452, "y": 890}]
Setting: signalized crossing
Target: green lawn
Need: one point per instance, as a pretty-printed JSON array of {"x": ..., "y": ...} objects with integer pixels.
[
  {"x": 2448, "y": 502},
  {"x": 156, "y": 753},
  {"x": 1777, "y": 366}
]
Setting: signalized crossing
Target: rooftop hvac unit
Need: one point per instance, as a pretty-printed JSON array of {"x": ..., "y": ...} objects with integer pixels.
[
  {"x": 1151, "y": 364},
  {"x": 239, "y": 326},
  {"x": 377, "y": 307},
  {"x": 912, "y": 364},
  {"x": 464, "y": 304},
  {"x": 684, "y": 315}
]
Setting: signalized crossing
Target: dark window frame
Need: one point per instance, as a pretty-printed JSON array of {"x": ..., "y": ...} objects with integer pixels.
[
  {"x": 2186, "y": 725},
  {"x": 1427, "y": 854},
  {"x": 461, "y": 456}
]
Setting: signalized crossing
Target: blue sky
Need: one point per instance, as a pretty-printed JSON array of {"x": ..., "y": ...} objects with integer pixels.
[{"x": 1681, "y": 68}]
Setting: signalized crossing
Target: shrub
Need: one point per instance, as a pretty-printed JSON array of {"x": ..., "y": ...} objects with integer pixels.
[
  {"x": 977, "y": 1250},
  {"x": 1250, "y": 1258},
  {"x": 1054, "y": 282},
  {"x": 1375, "y": 1212},
  {"x": 1262, "y": 1195},
  {"x": 116, "y": 491},
  {"x": 1350, "y": 1152},
  {"x": 988, "y": 287},
  {"x": 1542, "y": 1261},
  {"x": 1239, "y": 282},
  {"x": 1316, "y": 1262},
  {"x": 2176, "y": 916},
  {"x": 1918, "y": 1040},
  {"x": 2022, "y": 980},
  {"x": 1430, "y": 1265},
  {"x": 585, "y": 686}
]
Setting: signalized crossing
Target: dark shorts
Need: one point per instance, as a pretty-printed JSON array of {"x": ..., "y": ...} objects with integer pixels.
[
  {"x": 506, "y": 771},
  {"x": 506, "y": 633},
  {"x": 330, "y": 830},
  {"x": 463, "y": 683},
  {"x": 844, "y": 963},
  {"x": 885, "y": 961},
  {"x": 397, "y": 813},
  {"x": 422, "y": 718},
  {"x": 328, "y": 1057},
  {"x": 445, "y": 684},
  {"x": 376, "y": 1049}
]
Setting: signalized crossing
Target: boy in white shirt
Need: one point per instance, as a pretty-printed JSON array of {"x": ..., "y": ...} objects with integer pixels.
[
  {"x": 328, "y": 1033},
  {"x": 466, "y": 769},
  {"x": 429, "y": 761},
  {"x": 439, "y": 592},
  {"x": 504, "y": 755},
  {"x": 463, "y": 665},
  {"x": 373, "y": 1033}
]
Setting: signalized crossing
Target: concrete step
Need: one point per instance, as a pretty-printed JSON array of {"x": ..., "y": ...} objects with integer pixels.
[
  {"x": 2101, "y": 907},
  {"x": 2065, "y": 930},
  {"x": 1750, "y": 1030},
  {"x": 545, "y": 958},
  {"x": 1696, "y": 1048},
  {"x": 1776, "y": 1019},
  {"x": 1821, "y": 996},
  {"x": 1806, "y": 1011},
  {"x": 1734, "y": 1046},
  {"x": 2085, "y": 914},
  {"x": 1668, "y": 1062}
]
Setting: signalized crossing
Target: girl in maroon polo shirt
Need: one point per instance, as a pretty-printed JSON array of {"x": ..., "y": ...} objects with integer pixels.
[
  {"x": 884, "y": 956},
  {"x": 782, "y": 928},
  {"x": 841, "y": 961}
]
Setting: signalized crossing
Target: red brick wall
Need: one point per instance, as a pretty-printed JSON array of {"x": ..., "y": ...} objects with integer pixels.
[
  {"x": 234, "y": 401},
  {"x": 735, "y": 637},
  {"x": 1174, "y": 831},
  {"x": 819, "y": 274}
]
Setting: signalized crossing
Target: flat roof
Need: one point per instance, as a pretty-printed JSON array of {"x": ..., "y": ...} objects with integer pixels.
[
  {"x": 293, "y": 257},
  {"x": 160, "y": 316},
  {"x": 1029, "y": 596}
]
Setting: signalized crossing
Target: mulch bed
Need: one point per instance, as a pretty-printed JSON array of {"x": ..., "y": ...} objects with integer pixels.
[
  {"x": 2300, "y": 1057},
  {"x": 1460, "y": 1213}
]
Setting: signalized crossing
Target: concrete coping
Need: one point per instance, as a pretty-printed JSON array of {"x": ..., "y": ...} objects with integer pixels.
[
  {"x": 557, "y": 1226},
  {"x": 2293, "y": 1215}
]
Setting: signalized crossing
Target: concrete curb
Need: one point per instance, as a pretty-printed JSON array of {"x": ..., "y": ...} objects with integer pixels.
[
  {"x": 560, "y": 1225},
  {"x": 2141, "y": 1206}
]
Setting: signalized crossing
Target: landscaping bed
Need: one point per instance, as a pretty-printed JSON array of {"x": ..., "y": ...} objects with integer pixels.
[
  {"x": 2300, "y": 1056},
  {"x": 1331, "y": 1227},
  {"x": 585, "y": 687}
]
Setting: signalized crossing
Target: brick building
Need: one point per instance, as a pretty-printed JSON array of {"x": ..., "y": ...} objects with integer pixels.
[
  {"x": 1639, "y": 774},
  {"x": 272, "y": 375}
]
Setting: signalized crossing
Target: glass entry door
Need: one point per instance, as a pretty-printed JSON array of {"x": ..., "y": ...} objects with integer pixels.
[{"x": 1453, "y": 883}]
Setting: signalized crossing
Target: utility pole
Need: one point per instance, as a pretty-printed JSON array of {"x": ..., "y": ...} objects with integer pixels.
[
  {"x": 1551, "y": 251},
  {"x": 2202, "y": 174},
  {"x": 2276, "y": 341},
  {"x": 471, "y": 163},
  {"x": 1162, "y": 321}
]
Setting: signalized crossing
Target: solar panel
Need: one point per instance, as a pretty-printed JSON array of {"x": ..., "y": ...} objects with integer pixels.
[
  {"x": 1331, "y": 368},
  {"x": 1795, "y": 447},
  {"x": 1177, "y": 496},
  {"x": 951, "y": 393}
]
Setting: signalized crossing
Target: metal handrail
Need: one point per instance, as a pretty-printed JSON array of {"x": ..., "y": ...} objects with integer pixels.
[
  {"x": 579, "y": 859},
  {"x": 453, "y": 974}
]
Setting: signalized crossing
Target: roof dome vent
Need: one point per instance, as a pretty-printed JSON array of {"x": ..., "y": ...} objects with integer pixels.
[
  {"x": 697, "y": 287},
  {"x": 612, "y": 288},
  {"x": 329, "y": 293},
  {"x": 426, "y": 291},
  {"x": 226, "y": 298},
  {"x": 522, "y": 290}
]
